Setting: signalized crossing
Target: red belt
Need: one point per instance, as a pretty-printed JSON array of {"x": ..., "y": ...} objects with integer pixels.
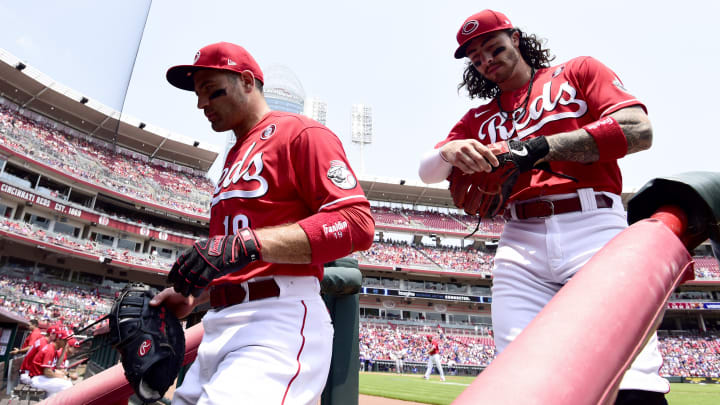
[
  {"x": 224, "y": 295},
  {"x": 547, "y": 208}
]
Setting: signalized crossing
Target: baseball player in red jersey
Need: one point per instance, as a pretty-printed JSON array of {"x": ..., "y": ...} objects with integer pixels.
[
  {"x": 35, "y": 334},
  {"x": 43, "y": 373},
  {"x": 286, "y": 203},
  {"x": 39, "y": 343},
  {"x": 574, "y": 121},
  {"x": 434, "y": 358}
]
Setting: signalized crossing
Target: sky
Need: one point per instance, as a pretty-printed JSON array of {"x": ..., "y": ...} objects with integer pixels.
[{"x": 396, "y": 56}]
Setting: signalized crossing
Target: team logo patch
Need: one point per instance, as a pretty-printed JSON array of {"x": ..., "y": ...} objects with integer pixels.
[
  {"x": 341, "y": 176},
  {"x": 144, "y": 348},
  {"x": 197, "y": 56},
  {"x": 557, "y": 71},
  {"x": 470, "y": 27},
  {"x": 268, "y": 132}
]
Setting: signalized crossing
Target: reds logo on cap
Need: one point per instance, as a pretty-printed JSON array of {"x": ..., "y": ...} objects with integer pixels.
[
  {"x": 144, "y": 348},
  {"x": 479, "y": 24},
  {"x": 469, "y": 27}
]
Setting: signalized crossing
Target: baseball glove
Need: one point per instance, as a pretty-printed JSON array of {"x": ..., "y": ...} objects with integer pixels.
[
  {"x": 486, "y": 194},
  {"x": 150, "y": 340}
]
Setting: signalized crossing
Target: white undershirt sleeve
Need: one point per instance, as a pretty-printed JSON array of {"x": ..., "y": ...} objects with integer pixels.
[{"x": 433, "y": 169}]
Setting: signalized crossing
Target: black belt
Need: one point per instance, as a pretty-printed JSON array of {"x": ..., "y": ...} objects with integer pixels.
[
  {"x": 547, "y": 208},
  {"x": 224, "y": 295}
]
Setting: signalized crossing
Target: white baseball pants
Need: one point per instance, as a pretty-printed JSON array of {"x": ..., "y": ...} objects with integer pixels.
[
  {"x": 536, "y": 257},
  {"x": 50, "y": 385},
  {"x": 434, "y": 359},
  {"x": 272, "y": 351}
]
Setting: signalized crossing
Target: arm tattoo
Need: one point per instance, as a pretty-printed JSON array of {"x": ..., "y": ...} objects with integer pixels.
[
  {"x": 579, "y": 146},
  {"x": 575, "y": 146},
  {"x": 636, "y": 126}
]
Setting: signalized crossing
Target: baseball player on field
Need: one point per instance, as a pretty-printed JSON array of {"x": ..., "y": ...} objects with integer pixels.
[
  {"x": 433, "y": 358},
  {"x": 286, "y": 203},
  {"x": 567, "y": 125}
]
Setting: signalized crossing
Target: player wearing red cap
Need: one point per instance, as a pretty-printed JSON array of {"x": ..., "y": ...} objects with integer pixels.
[
  {"x": 44, "y": 375},
  {"x": 286, "y": 202},
  {"x": 26, "y": 368},
  {"x": 573, "y": 122},
  {"x": 433, "y": 358}
]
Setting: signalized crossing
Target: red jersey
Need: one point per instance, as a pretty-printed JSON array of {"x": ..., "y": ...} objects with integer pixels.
[
  {"x": 286, "y": 168},
  {"x": 31, "y": 338},
  {"x": 37, "y": 345},
  {"x": 563, "y": 98},
  {"x": 45, "y": 358},
  {"x": 435, "y": 349}
]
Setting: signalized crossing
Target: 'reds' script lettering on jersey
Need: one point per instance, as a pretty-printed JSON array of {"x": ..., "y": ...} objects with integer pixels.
[
  {"x": 246, "y": 171},
  {"x": 541, "y": 110}
]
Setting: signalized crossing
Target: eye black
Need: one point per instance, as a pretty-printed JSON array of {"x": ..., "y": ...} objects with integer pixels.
[
  {"x": 217, "y": 93},
  {"x": 498, "y": 51}
]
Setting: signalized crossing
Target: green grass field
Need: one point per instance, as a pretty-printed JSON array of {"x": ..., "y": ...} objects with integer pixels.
[{"x": 412, "y": 387}]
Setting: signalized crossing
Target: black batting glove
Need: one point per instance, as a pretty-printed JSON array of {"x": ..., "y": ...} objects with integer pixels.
[
  {"x": 211, "y": 258},
  {"x": 525, "y": 154}
]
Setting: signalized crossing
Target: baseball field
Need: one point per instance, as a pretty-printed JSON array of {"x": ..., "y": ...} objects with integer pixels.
[{"x": 412, "y": 387}]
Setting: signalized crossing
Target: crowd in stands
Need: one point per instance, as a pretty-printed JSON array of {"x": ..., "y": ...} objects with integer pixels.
[
  {"x": 436, "y": 220},
  {"x": 103, "y": 165},
  {"x": 406, "y": 217},
  {"x": 82, "y": 245},
  {"x": 684, "y": 355},
  {"x": 706, "y": 267},
  {"x": 49, "y": 303},
  {"x": 384, "y": 342},
  {"x": 402, "y": 254},
  {"x": 690, "y": 355},
  {"x": 394, "y": 254},
  {"x": 460, "y": 259}
]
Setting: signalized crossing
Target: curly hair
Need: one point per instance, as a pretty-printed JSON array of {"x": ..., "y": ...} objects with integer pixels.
[{"x": 532, "y": 52}]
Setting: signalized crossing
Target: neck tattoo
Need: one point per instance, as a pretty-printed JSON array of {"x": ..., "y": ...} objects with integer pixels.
[{"x": 510, "y": 115}]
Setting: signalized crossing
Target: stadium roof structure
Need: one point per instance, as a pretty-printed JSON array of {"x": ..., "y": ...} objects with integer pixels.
[
  {"x": 33, "y": 90},
  {"x": 407, "y": 192}
]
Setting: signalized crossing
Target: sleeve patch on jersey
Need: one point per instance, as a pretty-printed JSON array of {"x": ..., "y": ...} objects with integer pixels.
[{"x": 341, "y": 176}]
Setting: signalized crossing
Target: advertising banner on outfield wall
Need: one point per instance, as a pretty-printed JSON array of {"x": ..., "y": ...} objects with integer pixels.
[{"x": 694, "y": 305}]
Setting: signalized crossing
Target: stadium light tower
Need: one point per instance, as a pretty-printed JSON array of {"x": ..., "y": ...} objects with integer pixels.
[
  {"x": 361, "y": 129},
  {"x": 316, "y": 109}
]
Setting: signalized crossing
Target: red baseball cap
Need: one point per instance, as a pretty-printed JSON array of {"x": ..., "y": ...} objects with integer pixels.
[
  {"x": 73, "y": 342},
  {"x": 62, "y": 333},
  {"x": 219, "y": 56},
  {"x": 479, "y": 24}
]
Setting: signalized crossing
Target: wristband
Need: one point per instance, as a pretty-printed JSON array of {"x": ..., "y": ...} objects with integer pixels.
[
  {"x": 609, "y": 137},
  {"x": 329, "y": 236}
]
